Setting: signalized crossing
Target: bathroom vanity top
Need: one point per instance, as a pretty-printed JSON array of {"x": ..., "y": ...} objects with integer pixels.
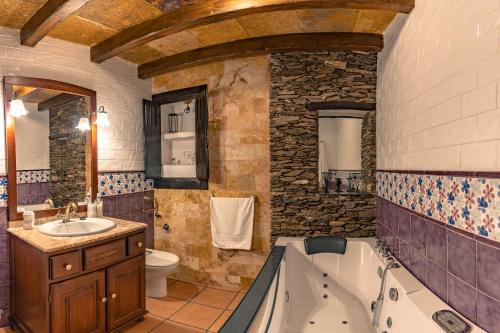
[{"x": 51, "y": 244}]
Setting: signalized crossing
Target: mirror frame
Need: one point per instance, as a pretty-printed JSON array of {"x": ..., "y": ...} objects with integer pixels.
[{"x": 10, "y": 135}]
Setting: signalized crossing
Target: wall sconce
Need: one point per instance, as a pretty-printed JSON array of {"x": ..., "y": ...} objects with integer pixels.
[
  {"x": 17, "y": 108},
  {"x": 83, "y": 124},
  {"x": 102, "y": 120}
]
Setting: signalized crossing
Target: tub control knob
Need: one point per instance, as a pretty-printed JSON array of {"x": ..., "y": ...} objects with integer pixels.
[
  {"x": 393, "y": 294},
  {"x": 139, "y": 244},
  {"x": 68, "y": 267}
]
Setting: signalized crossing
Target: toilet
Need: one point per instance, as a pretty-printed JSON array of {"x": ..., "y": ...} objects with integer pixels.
[{"x": 158, "y": 265}]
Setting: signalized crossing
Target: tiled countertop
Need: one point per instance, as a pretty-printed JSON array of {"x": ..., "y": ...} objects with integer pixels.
[{"x": 51, "y": 244}]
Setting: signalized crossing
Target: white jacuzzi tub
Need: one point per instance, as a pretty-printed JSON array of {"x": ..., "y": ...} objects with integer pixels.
[{"x": 302, "y": 303}]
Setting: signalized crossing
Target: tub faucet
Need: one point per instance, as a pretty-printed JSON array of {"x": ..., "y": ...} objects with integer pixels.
[
  {"x": 70, "y": 208},
  {"x": 378, "y": 304}
]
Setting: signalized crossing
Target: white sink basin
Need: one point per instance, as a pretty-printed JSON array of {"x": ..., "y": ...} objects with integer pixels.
[{"x": 76, "y": 227}]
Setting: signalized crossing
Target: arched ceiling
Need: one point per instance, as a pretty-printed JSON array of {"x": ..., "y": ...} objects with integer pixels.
[{"x": 143, "y": 31}]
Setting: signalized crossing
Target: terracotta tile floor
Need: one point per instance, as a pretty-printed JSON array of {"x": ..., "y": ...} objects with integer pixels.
[{"x": 188, "y": 308}]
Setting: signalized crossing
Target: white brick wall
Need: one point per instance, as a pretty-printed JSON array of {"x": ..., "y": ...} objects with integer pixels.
[
  {"x": 438, "y": 94},
  {"x": 115, "y": 81},
  {"x": 32, "y": 140}
]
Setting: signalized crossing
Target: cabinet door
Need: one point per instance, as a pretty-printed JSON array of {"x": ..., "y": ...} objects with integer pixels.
[
  {"x": 78, "y": 305},
  {"x": 126, "y": 294}
]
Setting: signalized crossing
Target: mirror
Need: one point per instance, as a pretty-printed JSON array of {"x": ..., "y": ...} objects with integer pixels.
[
  {"x": 340, "y": 150},
  {"x": 51, "y": 161}
]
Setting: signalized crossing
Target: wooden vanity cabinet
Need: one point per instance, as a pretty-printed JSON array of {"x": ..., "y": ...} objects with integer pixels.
[{"x": 94, "y": 288}]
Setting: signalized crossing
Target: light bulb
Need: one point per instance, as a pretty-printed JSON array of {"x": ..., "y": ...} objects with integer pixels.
[
  {"x": 83, "y": 124},
  {"x": 17, "y": 108}
]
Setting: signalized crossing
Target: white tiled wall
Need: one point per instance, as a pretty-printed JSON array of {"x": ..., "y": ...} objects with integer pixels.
[
  {"x": 438, "y": 94},
  {"x": 115, "y": 81},
  {"x": 32, "y": 140}
]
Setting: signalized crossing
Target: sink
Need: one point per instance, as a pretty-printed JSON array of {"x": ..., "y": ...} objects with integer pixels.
[{"x": 76, "y": 227}]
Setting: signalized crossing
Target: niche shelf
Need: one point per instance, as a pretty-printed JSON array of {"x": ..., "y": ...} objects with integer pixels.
[{"x": 179, "y": 135}]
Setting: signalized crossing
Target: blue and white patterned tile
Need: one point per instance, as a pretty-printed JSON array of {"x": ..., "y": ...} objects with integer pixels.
[
  {"x": 32, "y": 176},
  {"x": 3, "y": 191},
  {"x": 469, "y": 203},
  {"x": 115, "y": 183}
]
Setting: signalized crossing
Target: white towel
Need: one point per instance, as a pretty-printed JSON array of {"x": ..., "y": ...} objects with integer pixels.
[{"x": 232, "y": 222}]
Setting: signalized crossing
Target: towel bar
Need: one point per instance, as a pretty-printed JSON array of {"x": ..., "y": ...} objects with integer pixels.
[{"x": 255, "y": 198}]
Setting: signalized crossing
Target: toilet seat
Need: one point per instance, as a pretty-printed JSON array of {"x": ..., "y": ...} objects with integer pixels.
[{"x": 156, "y": 258}]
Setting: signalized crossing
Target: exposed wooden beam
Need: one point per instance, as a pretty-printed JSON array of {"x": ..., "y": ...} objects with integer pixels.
[
  {"x": 213, "y": 11},
  {"x": 23, "y": 91},
  {"x": 46, "y": 18},
  {"x": 56, "y": 100},
  {"x": 275, "y": 43}
]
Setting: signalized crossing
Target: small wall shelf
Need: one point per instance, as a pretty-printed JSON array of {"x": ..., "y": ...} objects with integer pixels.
[{"x": 179, "y": 135}]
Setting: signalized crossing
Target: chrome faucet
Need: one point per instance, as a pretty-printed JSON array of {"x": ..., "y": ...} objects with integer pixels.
[
  {"x": 378, "y": 304},
  {"x": 70, "y": 208}
]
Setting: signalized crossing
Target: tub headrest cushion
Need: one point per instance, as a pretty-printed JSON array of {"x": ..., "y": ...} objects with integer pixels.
[{"x": 325, "y": 244}]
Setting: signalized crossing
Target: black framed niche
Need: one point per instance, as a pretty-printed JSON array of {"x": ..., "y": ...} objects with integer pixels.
[{"x": 176, "y": 139}]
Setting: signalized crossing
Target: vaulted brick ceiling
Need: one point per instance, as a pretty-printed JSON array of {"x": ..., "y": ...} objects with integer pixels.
[{"x": 98, "y": 20}]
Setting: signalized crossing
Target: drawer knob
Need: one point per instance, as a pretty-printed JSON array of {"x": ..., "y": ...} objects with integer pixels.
[
  {"x": 104, "y": 299},
  {"x": 113, "y": 295},
  {"x": 68, "y": 267},
  {"x": 139, "y": 244}
]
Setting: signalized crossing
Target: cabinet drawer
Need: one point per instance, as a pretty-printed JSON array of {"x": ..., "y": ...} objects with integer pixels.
[
  {"x": 104, "y": 254},
  {"x": 65, "y": 265},
  {"x": 136, "y": 244}
]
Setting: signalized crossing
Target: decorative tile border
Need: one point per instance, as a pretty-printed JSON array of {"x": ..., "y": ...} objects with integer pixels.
[
  {"x": 467, "y": 201},
  {"x": 123, "y": 182},
  {"x": 3, "y": 191},
  {"x": 110, "y": 183},
  {"x": 32, "y": 176}
]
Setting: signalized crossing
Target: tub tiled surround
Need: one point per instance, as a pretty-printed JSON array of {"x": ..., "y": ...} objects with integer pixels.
[{"x": 459, "y": 264}]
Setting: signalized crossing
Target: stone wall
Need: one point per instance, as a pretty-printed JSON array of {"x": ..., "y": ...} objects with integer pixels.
[
  {"x": 298, "y": 209},
  {"x": 369, "y": 152},
  {"x": 238, "y": 137},
  {"x": 67, "y": 153}
]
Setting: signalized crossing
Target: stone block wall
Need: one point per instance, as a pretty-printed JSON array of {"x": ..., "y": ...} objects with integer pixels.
[
  {"x": 298, "y": 209},
  {"x": 238, "y": 137},
  {"x": 369, "y": 152},
  {"x": 67, "y": 153}
]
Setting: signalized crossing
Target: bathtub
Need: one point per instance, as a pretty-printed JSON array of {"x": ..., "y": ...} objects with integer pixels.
[{"x": 327, "y": 292}]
